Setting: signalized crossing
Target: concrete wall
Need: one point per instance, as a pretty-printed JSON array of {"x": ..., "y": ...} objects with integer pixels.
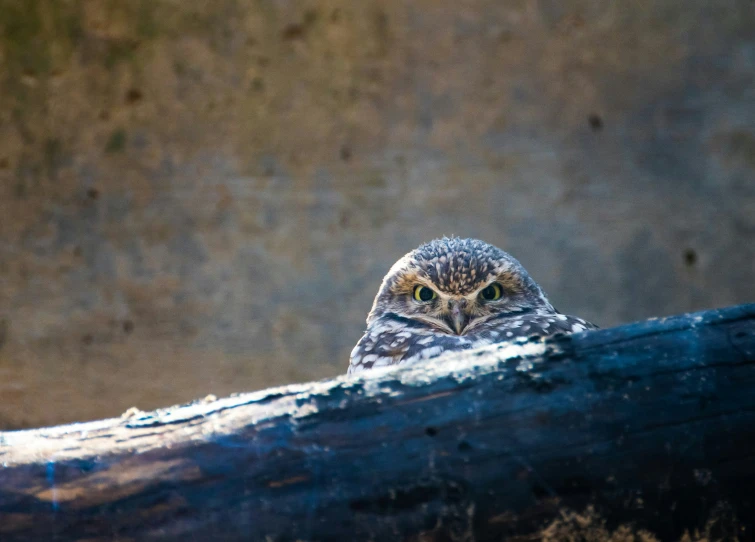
[{"x": 202, "y": 197}]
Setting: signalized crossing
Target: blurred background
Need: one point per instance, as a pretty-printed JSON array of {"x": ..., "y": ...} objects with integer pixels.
[{"x": 203, "y": 196}]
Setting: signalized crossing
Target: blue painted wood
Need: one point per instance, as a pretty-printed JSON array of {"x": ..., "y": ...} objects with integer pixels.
[{"x": 649, "y": 425}]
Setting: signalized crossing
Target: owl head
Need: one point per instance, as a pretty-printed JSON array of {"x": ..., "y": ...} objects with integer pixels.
[{"x": 455, "y": 286}]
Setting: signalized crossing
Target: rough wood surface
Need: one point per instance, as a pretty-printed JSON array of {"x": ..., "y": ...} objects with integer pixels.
[{"x": 646, "y": 429}]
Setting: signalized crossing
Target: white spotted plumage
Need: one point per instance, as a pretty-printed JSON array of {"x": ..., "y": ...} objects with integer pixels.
[{"x": 402, "y": 328}]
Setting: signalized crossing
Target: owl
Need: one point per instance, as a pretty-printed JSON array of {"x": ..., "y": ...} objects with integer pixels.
[{"x": 454, "y": 294}]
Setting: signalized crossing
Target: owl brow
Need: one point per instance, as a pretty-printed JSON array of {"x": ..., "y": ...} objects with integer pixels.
[
  {"x": 509, "y": 281},
  {"x": 481, "y": 287},
  {"x": 406, "y": 283},
  {"x": 488, "y": 282}
]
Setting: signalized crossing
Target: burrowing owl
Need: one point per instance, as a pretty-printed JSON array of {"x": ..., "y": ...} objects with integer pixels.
[{"x": 454, "y": 294}]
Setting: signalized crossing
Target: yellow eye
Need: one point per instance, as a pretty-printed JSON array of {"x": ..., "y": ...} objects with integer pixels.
[
  {"x": 424, "y": 294},
  {"x": 492, "y": 293}
]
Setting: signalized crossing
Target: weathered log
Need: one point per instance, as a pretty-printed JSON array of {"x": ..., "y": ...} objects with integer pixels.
[{"x": 646, "y": 427}]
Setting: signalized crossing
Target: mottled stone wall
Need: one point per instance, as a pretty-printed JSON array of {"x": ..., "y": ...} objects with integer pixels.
[{"x": 202, "y": 197}]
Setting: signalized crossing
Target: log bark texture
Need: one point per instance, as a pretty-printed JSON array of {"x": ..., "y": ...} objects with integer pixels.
[{"x": 644, "y": 430}]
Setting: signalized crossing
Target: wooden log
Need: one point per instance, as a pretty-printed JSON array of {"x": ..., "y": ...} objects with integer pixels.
[{"x": 642, "y": 430}]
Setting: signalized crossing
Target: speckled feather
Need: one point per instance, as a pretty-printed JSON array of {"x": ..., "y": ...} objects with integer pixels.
[{"x": 400, "y": 330}]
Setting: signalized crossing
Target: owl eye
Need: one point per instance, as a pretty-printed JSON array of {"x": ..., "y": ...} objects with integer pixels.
[
  {"x": 492, "y": 293},
  {"x": 424, "y": 294}
]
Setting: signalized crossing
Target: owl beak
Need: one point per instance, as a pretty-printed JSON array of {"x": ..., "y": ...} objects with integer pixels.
[{"x": 458, "y": 317}]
